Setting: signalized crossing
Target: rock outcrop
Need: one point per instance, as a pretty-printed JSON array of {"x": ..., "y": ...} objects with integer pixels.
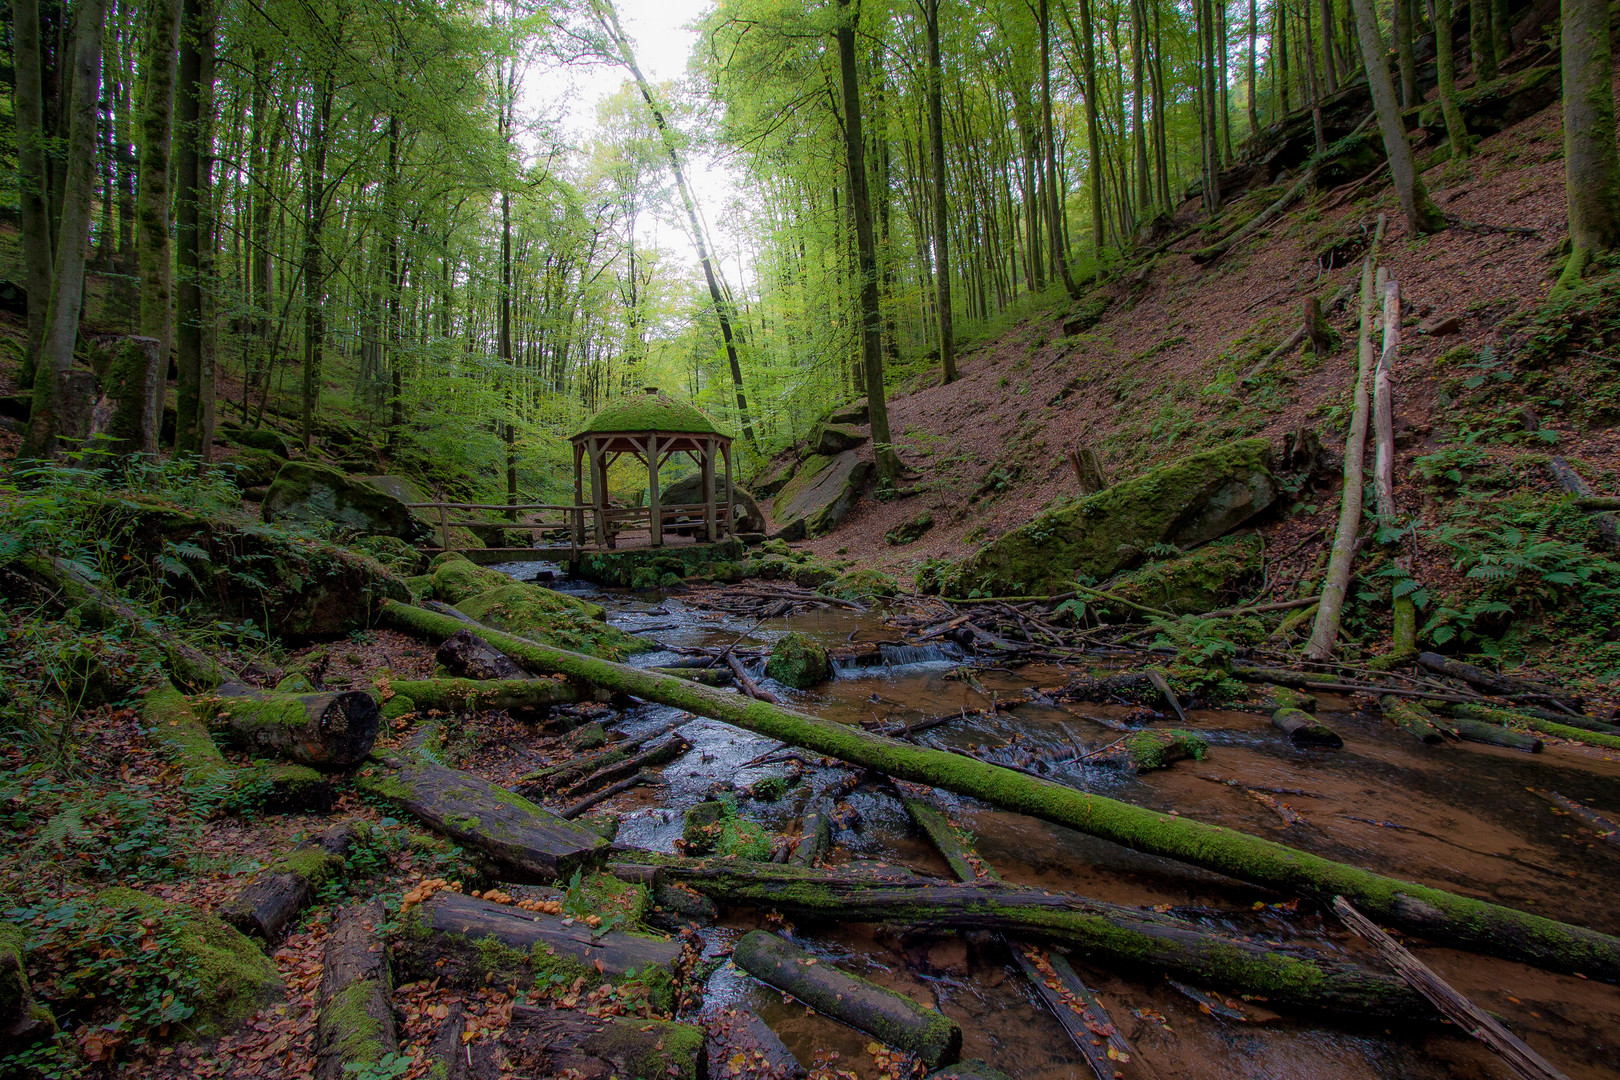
[
  {"x": 1185, "y": 503},
  {"x": 305, "y": 491},
  {"x": 823, "y": 490},
  {"x": 746, "y": 514}
]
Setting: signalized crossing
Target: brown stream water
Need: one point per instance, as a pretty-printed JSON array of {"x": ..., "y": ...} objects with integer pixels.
[{"x": 1459, "y": 817}]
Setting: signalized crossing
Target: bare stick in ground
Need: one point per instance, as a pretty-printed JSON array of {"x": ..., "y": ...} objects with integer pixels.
[{"x": 1458, "y": 1009}]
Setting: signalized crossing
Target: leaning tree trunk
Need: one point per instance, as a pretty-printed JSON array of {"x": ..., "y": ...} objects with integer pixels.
[
  {"x": 33, "y": 180},
  {"x": 1431, "y": 912},
  {"x": 1421, "y": 214},
  {"x": 1591, "y": 162},
  {"x": 53, "y": 376}
]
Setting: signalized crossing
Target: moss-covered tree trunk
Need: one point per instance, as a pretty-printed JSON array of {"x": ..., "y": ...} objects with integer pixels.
[
  {"x": 1591, "y": 162},
  {"x": 28, "y": 104},
  {"x": 937, "y": 198},
  {"x": 162, "y": 36},
  {"x": 54, "y": 387},
  {"x": 1419, "y": 909},
  {"x": 193, "y": 167},
  {"x": 1445, "y": 74},
  {"x": 1422, "y": 216}
]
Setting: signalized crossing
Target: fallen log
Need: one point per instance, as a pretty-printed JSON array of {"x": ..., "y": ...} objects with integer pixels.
[
  {"x": 1411, "y": 719},
  {"x": 332, "y": 729},
  {"x": 1318, "y": 680},
  {"x": 465, "y": 655},
  {"x": 469, "y": 943},
  {"x": 171, "y": 723},
  {"x": 472, "y": 811},
  {"x": 746, "y": 683},
  {"x": 1258, "y": 222},
  {"x": 1574, "y": 483},
  {"x": 1479, "y": 731},
  {"x": 354, "y": 1023},
  {"x": 567, "y": 1042},
  {"x": 1456, "y": 1008},
  {"x": 1444, "y": 916},
  {"x": 1524, "y": 714},
  {"x": 288, "y": 885},
  {"x": 706, "y": 675},
  {"x": 1605, "y": 829},
  {"x": 740, "y": 1044},
  {"x": 1111, "y": 934},
  {"x": 658, "y": 754},
  {"x": 895, "y": 1019},
  {"x": 1303, "y": 729},
  {"x": 1584, "y": 734},
  {"x": 1492, "y": 683},
  {"x": 469, "y": 695},
  {"x": 575, "y": 809}
]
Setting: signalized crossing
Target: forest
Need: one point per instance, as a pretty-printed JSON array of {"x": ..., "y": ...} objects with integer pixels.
[{"x": 834, "y": 539}]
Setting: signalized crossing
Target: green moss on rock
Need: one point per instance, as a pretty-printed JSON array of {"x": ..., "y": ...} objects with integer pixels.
[
  {"x": 1184, "y": 503},
  {"x": 1200, "y": 580},
  {"x": 910, "y": 530},
  {"x": 308, "y": 491},
  {"x": 551, "y": 618},
  {"x": 798, "y": 661},
  {"x": 860, "y": 584},
  {"x": 1151, "y": 750}
]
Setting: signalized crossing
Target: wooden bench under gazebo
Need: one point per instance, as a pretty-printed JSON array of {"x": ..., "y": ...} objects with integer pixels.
[{"x": 651, "y": 427}]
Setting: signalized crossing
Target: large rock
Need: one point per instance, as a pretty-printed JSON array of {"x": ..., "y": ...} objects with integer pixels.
[
  {"x": 829, "y": 439},
  {"x": 856, "y": 412},
  {"x": 1187, "y": 502},
  {"x": 1200, "y": 580},
  {"x": 1500, "y": 103},
  {"x": 823, "y": 490},
  {"x": 746, "y": 514},
  {"x": 774, "y": 479},
  {"x": 305, "y": 491}
]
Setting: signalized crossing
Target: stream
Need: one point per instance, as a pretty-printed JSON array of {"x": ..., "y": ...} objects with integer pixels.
[{"x": 1459, "y": 817}]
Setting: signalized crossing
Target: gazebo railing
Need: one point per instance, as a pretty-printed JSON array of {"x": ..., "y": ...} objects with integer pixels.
[{"x": 575, "y": 521}]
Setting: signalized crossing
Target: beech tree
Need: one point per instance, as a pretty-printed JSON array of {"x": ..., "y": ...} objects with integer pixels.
[{"x": 1591, "y": 164}]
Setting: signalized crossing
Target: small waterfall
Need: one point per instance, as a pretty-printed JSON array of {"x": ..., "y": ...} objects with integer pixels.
[{"x": 887, "y": 657}]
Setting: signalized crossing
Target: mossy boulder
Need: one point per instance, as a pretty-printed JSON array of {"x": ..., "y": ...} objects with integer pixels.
[
  {"x": 776, "y": 547},
  {"x": 261, "y": 438},
  {"x": 836, "y": 438},
  {"x": 855, "y": 412},
  {"x": 1187, "y": 502},
  {"x": 774, "y": 479},
  {"x": 457, "y": 578},
  {"x": 910, "y": 530},
  {"x": 1157, "y": 749},
  {"x": 862, "y": 583},
  {"x": 798, "y": 661},
  {"x": 813, "y": 573},
  {"x": 1500, "y": 103},
  {"x": 716, "y": 827},
  {"x": 306, "y": 491},
  {"x": 1201, "y": 580},
  {"x": 821, "y": 494},
  {"x": 228, "y": 977},
  {"x": 254, "y": 468},
  {"x": 551, "y": 618}
]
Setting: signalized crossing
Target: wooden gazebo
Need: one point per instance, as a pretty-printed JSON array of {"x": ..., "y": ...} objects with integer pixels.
[{"x": 651, "y": 427}]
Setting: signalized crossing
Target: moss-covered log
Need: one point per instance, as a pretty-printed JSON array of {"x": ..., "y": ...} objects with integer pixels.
[
  {"x": 1154, "y": 749},
  {"x": 288, "y": 885},
  {"x": 1588, "y": 731},
  {"x": 1492, "y": 683},
  {"x": 354, "y": 1022},
  {"x": 565, "y": 1042},
  {"x": 894, "y": 1018},
  {"x": 1411, "y": 719},
  {"x": 22, "y": 1019},
  {"x": 1303, "y": 729},
  {"x": 1419, "y": 909},
  {"x": 471, "y": 695},
  {"x": 471, "y": 943},
  {"x": 1491, "y": 734},
  {"x": 472, "y": 811},
  {"x": 329, "y": 730},
  {"x": 1112, "y": 934}
]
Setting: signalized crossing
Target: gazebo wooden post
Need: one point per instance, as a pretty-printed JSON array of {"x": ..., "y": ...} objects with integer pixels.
[
  {"x": 576, "y": 517},
  {"x": 655, "y": 518},
  {"x": 725, "y": 448},
  {"x": 709, "y": 444},
  {"x": 598, "y": 491}
]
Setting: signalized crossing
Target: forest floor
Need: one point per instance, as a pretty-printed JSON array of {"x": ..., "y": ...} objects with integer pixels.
[{"x": 1159, "y": 375}]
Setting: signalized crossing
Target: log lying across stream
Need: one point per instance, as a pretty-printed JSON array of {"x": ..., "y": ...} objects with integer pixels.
[
  {"x": 1418, "y": 909},
  {"x": 1118, "y": 935}
]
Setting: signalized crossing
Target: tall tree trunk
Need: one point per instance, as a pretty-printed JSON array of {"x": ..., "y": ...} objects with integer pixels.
[
  {"x": 1222, "y": 45},
  {"x": 1054, "y": 201},
  {"x": 51, "y": 405},
  {"x": 1480, "y": 46},
  {"x": 1421, "y": 215},
  {"x": 1501, "y": 31},
  {"x": 1404, "y": 54},
  {"x": 1279, "y": 42},
  {"x": 1445, "y": 68},
  {"x": 942, "y": 241},
  {"x": 1330, "y": 72},
  {"x": 314, "y": 268},
  {"x": 609, "y": 19},
  {"x": 888, "y": 462},
  {"x": 1591, "y": 165},
  {"x": 33, "y": 178},
  {"x": 193, "y": 170},
  {"x": 1254, "y": 31},
  {"x": 1212, "y": 182},
  {"x": 1144, "y": 191},
  {"x": 162, "y": 33}
]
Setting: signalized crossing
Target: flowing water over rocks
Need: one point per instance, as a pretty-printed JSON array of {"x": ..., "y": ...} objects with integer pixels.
[{"x": 1459, "y": 817}]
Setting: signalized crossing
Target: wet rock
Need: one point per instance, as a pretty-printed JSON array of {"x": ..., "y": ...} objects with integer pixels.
[
  {"x": 860, "y": 584},
  {"x": 1184, "y": 503},
  {"x": 305, "y": 491},
  {"x": 822, "y": 492},
  {"x": 1150, "y": 750},
  {"x": 742, "y": 1045},
  {"x": 832, "y": 439},
  {"x": 798, "y": 661}
]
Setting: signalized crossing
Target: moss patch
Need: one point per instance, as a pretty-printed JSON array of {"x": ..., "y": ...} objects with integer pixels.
[
  {"x": 798, "y": 661},
  {"x": 1151, "y": 750},
  {"x": 652, "y": 411},
  {"x": 1198, "y": 581},
  {"x": 551, "y": 618}
]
